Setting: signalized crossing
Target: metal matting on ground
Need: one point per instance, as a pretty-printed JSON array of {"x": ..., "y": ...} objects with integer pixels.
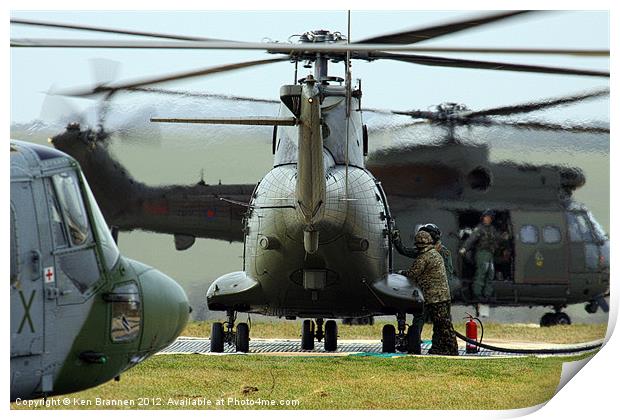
[{"x": 192, "y": 345}]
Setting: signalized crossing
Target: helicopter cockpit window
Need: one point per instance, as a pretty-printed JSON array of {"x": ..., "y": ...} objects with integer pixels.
[
  {"x": 598, "y": 229},
  {"x": 58, "y": 228},
  {"x": 72, "y": 207},
  {"x": 108, "y": 246},
  {"x": 126, "y": 316},
  {"x": 578, "y": 228},
  {"x": 529, "y": 234},
  {"x": 551, "y": 234}
]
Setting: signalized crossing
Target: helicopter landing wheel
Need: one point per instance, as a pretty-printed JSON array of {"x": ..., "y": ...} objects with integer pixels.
[
  {"x": 414, "y": 341},
  {"x": 307, "y": 335},
  {"x": 217, "y": 337},
  {"x": 547, "y": 320},
  {"x": 388, "y": 339},
  {"x": 592, "y": 307},
  {"x": 242, "y": 338},
  {"x": 550, "y": 319},
  {"x": 331, "y": 335},
  {"x": 562, "y": 319}
]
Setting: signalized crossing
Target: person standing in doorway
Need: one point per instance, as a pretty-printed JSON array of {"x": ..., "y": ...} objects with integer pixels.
[{"x": 484, "y": 240}]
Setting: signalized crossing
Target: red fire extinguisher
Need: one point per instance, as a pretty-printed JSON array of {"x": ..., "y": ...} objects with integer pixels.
[{"x": 471, "y": 331}]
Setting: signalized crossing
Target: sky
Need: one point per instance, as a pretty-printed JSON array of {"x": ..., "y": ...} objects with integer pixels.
[{"x": 391, "y": 85}]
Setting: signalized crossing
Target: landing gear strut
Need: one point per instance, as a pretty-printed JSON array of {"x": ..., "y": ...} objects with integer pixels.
[
  {"x": 555, "y": 318},
  {"x": 330, "y": 334},
  {"x": 407, "y": 340},
  {"x": 240, "y": 338}
]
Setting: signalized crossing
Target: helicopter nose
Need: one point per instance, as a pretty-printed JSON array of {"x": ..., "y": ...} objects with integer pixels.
[{"x": 166, "y": 310}]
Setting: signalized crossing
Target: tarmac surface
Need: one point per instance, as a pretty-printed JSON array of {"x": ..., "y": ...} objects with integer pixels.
[{"x": 291, "y": 347}]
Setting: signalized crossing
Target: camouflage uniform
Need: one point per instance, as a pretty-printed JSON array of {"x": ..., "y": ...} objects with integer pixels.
[
  {"x": 485, "y": 239},
  {"x": 430, "y": 274},
  {"x": 414, "y": 252},
  {"x": 447, "y": 262}
]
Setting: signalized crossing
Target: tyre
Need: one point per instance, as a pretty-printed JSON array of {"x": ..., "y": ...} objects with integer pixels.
[
  {"x": 331, "y": 335},
  {"x": 388, "y": 339},
  {"x": 562, "y": 319},
  {"x": 217, "y": 337},
  {"x": 414, "y": 342},
  {"x": 307, "y": 335},
  {"x": 548, "y": 320},
  {"x": 242, "y": 338},
  {"x": 592, "y": 307}
]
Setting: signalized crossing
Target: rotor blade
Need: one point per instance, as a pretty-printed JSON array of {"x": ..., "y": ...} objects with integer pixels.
[
  {"x": 202, "y": 95},
  {"x": 535, "y": 125},
  {"x": 56, "y": 109},
  {"x": 390, "y": 112},
  {"x": 336, "y": 50},
  {"x": 486, "y": 50},
  {"x": 486, "y": 65},
  {"x": 388, "y": 127},
  {"x": 428, "y": 115},
  {"x": 413, "y": 36},
  {"x": 535, "y": 106},
  {"x": 108, "y": 30},
  {"x": 230, "y": 121},
  {"x": 172, "y": 77}
]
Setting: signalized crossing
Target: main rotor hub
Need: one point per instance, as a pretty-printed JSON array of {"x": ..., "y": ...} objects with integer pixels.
[
  {"x": 320, "y": 60},
  {"x": 321, "y": 35},
  {"x": 451, "y": 108},
  {"x": 450, "y": 115}
]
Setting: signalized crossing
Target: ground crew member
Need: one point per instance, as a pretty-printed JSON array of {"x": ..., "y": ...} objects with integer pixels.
[
  {"x": 429, "y": 272},
  {"x": 402, "y": 249},
  {"x": 435, "y": 233},
  {"x": 485, "y": 240}
]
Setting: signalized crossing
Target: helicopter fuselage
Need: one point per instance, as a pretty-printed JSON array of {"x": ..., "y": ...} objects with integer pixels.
[
  {"x": 81, "y": 313},
  {"x": 317, "y": 233}
]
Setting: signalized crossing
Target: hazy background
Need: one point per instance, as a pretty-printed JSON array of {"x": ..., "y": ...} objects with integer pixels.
[{"x": 243, "y": 155}]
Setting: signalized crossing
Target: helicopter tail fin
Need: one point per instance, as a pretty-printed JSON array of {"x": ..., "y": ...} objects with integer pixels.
[{"x": 311, "y": 184}]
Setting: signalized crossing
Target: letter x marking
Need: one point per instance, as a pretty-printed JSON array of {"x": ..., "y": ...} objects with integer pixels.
[{"x": 26, "y": 312}]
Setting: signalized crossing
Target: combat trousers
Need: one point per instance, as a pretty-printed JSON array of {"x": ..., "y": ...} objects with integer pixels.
[
  {"x": 444, "y": 339},
  {"x": 485, "y": 273}
]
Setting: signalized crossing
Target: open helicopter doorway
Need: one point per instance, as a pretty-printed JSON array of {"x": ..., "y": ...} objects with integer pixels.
[{"x": 504, "y": 254}]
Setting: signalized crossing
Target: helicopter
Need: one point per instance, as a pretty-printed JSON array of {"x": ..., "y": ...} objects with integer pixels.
[
  {"x": 556, "y": 254},
  {"x": 81, "y": 313},
  {"x": 317, "y": 228}
]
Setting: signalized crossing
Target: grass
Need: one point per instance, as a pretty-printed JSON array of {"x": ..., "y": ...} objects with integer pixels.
[
  {"x": 561, "y": 334},
  {"x": 346, "y": 382}
]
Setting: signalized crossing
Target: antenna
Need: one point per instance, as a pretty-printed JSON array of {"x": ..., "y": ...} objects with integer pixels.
[{"x": 348, "y": 107}]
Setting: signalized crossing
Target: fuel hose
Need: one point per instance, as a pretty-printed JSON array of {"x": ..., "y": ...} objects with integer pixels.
[{"x": 564, "y": 350}]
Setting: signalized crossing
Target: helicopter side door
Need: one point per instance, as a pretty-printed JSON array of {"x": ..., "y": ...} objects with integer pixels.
[
  {"x": 77, "y": 268},
  {"x": 540, "y": 247},
  {"x": 584, "y": 249},
  {"x": 27, "y": 289}
]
